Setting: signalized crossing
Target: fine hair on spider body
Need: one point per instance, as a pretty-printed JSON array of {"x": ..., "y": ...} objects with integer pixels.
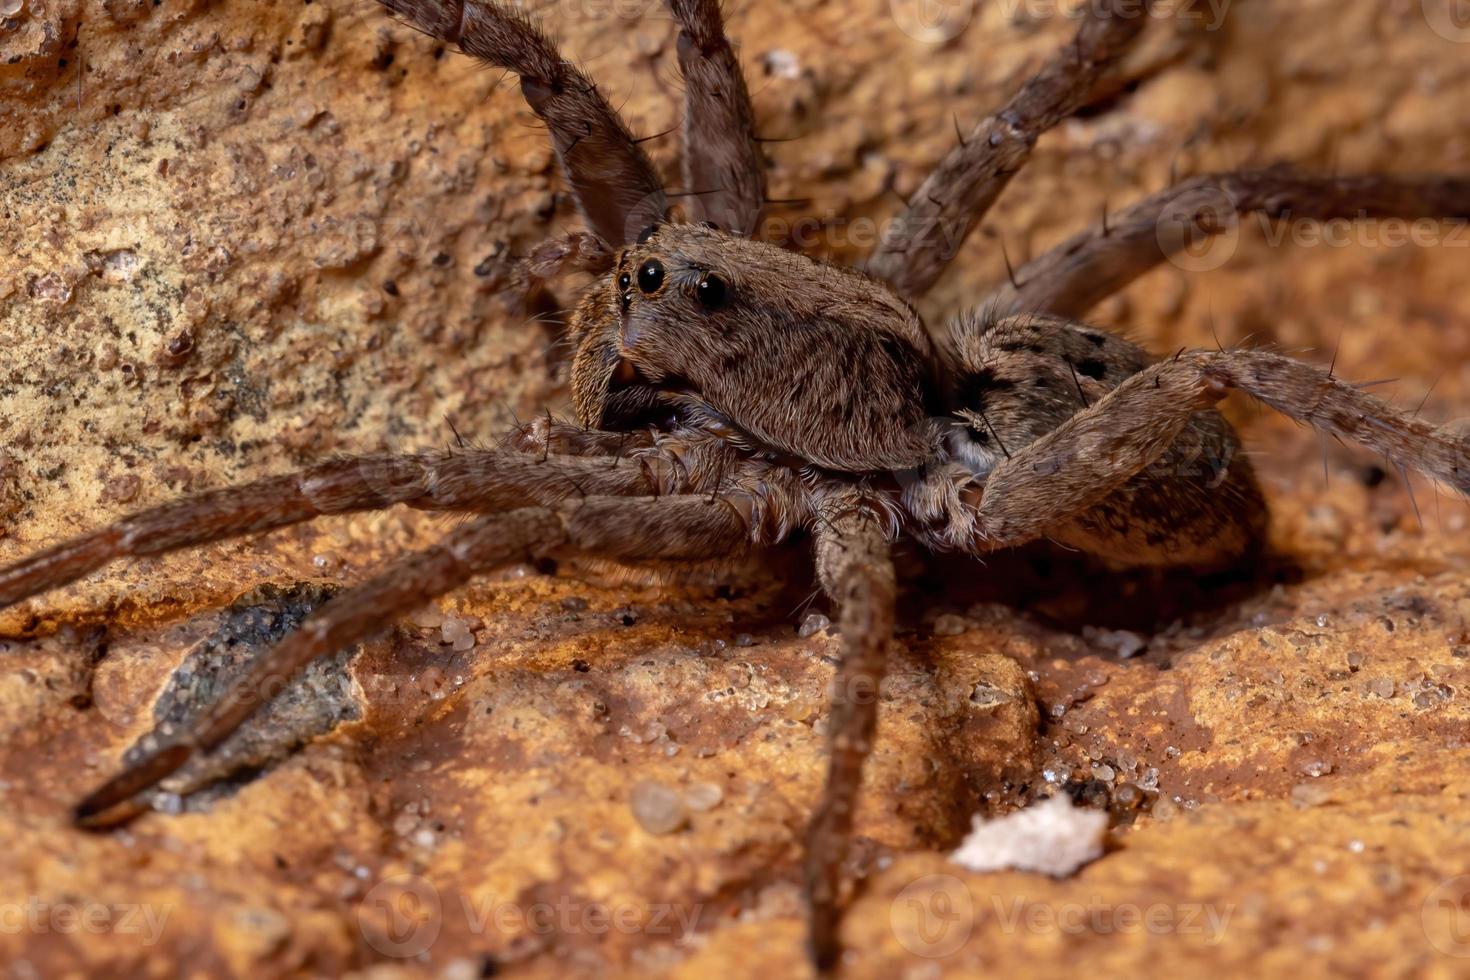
[{"x": 730, "y": 395}]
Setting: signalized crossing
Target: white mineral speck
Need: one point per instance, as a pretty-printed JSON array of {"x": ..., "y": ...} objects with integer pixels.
[
  {"x": 1056, "y": 774},
  {"x": 1122, "y": 643},
  {"x": 1051, "y": 837},
  {"x": 782, "y": 63}
]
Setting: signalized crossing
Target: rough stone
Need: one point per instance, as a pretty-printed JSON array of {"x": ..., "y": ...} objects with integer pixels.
[{"x": 239, "y": 236}]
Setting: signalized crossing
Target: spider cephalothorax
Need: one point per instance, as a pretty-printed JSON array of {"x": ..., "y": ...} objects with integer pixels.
[
  {"x": 760, "y": 395},
  {"x": 788, "y": 355}
]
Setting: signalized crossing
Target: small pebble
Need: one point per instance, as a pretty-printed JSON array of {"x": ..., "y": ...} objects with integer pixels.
[
  {"x": 428, "y": 618},
  {"x": 814, "y": 623},
  {"x": 1056, "y": 774},
  {"x": 657, "y": 808},
  {"x": 1122, "y": 643},
  {"x": 1305, "y": 795},
  {"x": 700, "y": 797},
  {"x": 951, "y": 625},
  {"x": 1128, "y": 796},
  {"x": 457, "y": 634}
]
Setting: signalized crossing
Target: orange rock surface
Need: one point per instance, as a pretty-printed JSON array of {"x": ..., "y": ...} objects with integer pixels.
[{"x": 241, "y": 236}]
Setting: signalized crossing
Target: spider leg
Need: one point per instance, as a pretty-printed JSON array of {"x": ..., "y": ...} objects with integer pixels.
[
  {"x": 1070, "y": 278},
  {"x": 955, "y": 196},
  {"x": 615, "y": 184},
  {"x": 1310, "y": 395},
  {"x": 475, "y": 481},
  {"x": 1096, "y": 451},
  {"x": 688, "y": 526},
  {"x": 855, "y": 570},
  {"x": 723, "y": 169},
  {"x": 543, "y": 435}
]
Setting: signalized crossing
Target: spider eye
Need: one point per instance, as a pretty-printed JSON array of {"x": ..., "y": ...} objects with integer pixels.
[
  {"x": 647, "y": 233},
  {"x": 712, "y": 291},
  {"x": 651, "y": 276},
  {"x": 624, "y": 281}
]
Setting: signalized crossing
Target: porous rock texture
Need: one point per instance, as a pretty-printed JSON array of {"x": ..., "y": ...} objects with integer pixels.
[{"x": 238, "y": 237}]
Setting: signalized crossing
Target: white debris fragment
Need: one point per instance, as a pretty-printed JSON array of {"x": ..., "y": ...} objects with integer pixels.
[
  {"x": 1051, "y": 837},
  {"x": 781, "y": 63},
  {"x": 1123, "y": 643}
]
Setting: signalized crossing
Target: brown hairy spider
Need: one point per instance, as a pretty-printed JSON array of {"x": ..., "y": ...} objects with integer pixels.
[{"x": 731, "y": 395}]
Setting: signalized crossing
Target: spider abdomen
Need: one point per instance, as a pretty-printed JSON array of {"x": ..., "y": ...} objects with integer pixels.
[{"x": 1019, "y": 378}]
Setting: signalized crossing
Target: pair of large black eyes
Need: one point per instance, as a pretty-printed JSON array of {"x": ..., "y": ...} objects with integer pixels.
[
  {"x": 711, "y": 290},
  {"x": 650, "y": 277}
]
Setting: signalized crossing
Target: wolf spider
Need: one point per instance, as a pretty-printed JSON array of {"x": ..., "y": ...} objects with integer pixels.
[{"x": 730, "y": 395}]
